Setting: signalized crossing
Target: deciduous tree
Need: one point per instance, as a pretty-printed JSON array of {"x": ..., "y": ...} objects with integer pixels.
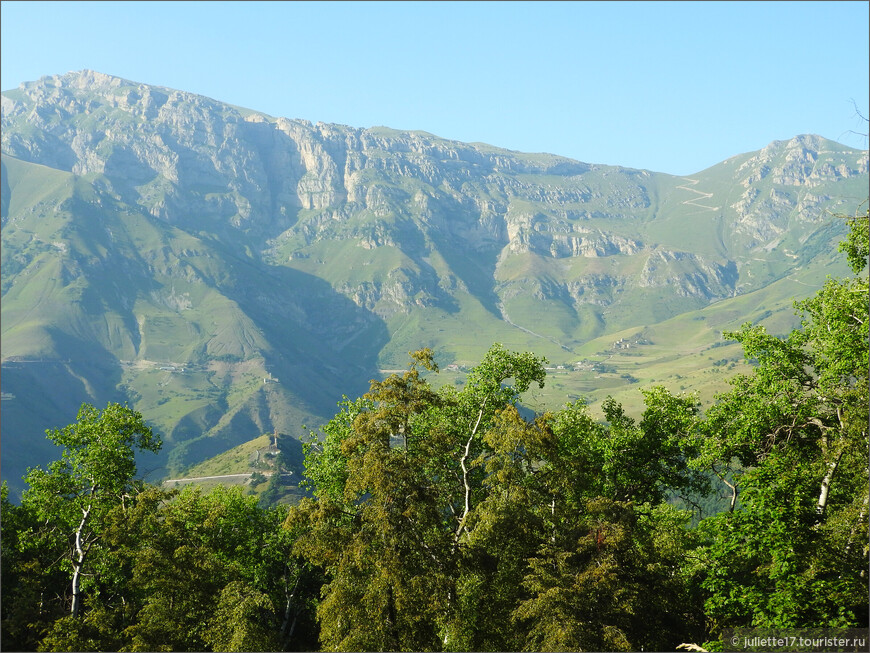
[
  {"x": 96, "y": 472},
  {"x": 794, "y": 431}
]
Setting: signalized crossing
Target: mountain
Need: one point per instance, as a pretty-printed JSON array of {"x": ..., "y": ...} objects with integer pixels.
[{"x": 229, "y": 273}]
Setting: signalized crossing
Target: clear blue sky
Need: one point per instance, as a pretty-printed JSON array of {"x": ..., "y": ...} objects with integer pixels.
[{"x": 668, "y": 86}]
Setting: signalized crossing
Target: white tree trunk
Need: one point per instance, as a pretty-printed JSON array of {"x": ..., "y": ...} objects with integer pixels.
[
  {"x": 79, "y": 556},
  {"x": 465, "y": 482},
  {"x": 826, "y": 484}
]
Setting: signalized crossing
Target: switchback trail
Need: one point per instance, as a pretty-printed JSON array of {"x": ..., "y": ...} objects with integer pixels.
[{"x": 704, "y": 196}]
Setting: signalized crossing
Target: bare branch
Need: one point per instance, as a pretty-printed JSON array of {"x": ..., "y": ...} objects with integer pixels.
[{"x": 465, "y": 482}]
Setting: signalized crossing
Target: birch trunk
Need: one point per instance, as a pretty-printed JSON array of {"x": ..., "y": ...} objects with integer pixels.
[
  {"x": 465, "y": 482},
  {"x": 81, "y": 553},
  {"x": 826, "y": 484}
]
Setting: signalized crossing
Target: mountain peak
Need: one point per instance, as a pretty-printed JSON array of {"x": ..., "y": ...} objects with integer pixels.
[{"x": 78, "y": 79}]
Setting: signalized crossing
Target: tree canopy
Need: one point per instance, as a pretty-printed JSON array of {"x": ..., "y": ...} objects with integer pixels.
[{"x": 444, "y": 518}]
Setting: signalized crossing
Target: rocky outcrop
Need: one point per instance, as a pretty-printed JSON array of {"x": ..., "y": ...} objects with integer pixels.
[
  {"x": 284, "y": 187},
  {"x": 783, "y": 181}
]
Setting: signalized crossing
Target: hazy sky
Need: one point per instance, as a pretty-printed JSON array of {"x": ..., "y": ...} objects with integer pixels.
[{"x": 668, "y": 86}]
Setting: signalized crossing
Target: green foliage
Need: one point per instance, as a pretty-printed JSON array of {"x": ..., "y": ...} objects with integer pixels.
[
  {"x": 457, "y": 487},
  {"x": 855, "y": 246},
  {"x": 795, "y": 553},
  {"x": 642, "y": 461},
  {"x": 396, "y": 479},
  {"x": 96, "y": 472},
  {"x": 610, "y": 585},
  {"x": 273, "y": 491},
  {"x": 29, "y": 570},
  {"x": 244, "y": 620},
  {"x": 325, "y": 466},
  {"x": 166, "y": 571},
  {"x": 213, "y": 573},
  {"x": 97, "y": 466},
  {"x": 448, "y": 519},
  {"x": 431, "y": 506}
]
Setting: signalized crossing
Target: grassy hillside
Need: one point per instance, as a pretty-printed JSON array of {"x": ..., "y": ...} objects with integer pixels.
[{"x": 230, "y": 274}]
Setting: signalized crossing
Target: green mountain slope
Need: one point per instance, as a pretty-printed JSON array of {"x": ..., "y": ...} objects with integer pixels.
[{"x": 230, "y": 274}]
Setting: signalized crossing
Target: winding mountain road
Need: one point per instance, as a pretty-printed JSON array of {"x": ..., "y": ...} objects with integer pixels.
[{"x": 211, "y": 478}]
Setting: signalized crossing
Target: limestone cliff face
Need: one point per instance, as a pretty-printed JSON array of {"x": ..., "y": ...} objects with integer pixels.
[
  {"x": 290, "y": 191},
  {"x": 186, "y": 157},
  {"x": 806, "y": 163}
]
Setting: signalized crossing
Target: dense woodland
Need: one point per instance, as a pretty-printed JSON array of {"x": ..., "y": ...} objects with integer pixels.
[{"x": 450, "y": 519}]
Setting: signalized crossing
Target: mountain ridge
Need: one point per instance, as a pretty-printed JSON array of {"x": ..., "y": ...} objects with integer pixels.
[{"x": 147, "y": 224}]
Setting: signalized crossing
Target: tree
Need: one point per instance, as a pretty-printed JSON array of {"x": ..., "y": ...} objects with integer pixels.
[
  {"x": 96, "y": 472},
  {"x": 609, "y": 580},
  {"x": 188, "y": 571},
  {"x": 598, "y": 552},
  {"x": 642, "y": 462},
  {"x": 396, "y": 480},
  {"x": 212, "y": 571},
  {"x": 793, "y": 434},
  {"x": 448, "y": 521},
  {"x": 113, "y": 601},
  {"x": 29, "y": 574}
]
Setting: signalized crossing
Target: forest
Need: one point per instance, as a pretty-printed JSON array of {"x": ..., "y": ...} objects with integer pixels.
[{"x": 453, "y": 519}]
